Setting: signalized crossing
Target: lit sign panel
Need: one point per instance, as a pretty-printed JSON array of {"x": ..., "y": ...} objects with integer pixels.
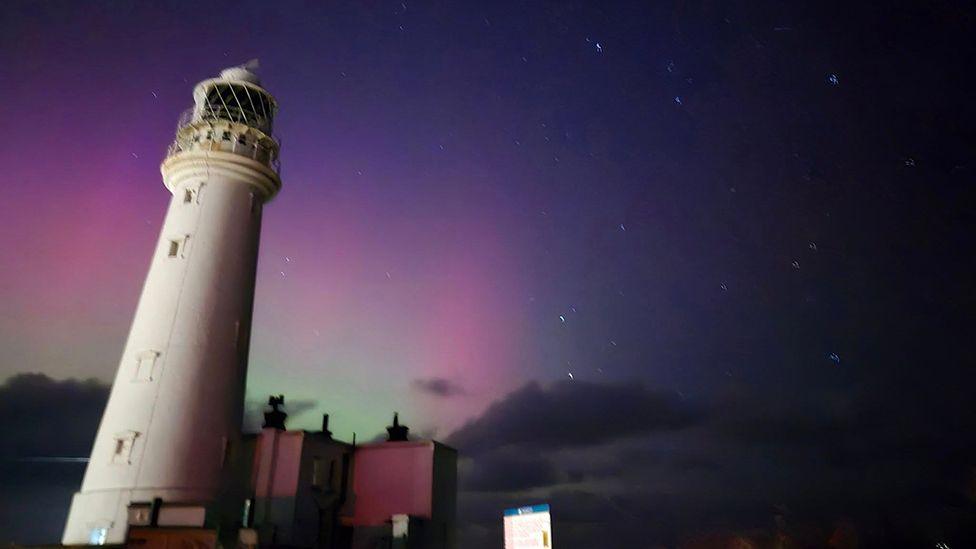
[{"x": 528, "y": 527}]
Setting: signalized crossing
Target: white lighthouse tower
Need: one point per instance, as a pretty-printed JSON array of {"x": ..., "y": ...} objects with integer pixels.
[{"x": 177, "y": 400}]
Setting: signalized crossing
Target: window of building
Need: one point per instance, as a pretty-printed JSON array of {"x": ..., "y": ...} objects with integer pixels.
[
  {"x": 98, "y": 536},
  {"x": 226, "y": 136},
  {"x": 246, "y": 514},
  {"x": 122, "y": 453},
  {"x": 188, "y": 195},
  {"x": 323, "y": 473},
  {"x": 318, "y": 472},
  {"x": 146, "y": 365},
  {"x": 174, "y": 248}
]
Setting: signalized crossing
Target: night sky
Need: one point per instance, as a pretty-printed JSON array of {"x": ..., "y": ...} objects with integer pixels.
[{"x": 684, "y": 270}]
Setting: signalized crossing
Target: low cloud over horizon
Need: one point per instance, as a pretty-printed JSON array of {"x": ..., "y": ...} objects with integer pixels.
[
  {"x": 659, "y": 467},
  {"x": 645, "y": 465}
]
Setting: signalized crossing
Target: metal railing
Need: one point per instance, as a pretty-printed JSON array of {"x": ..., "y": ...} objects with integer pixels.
[
  {"x": 255, "y": 149},
  {"x": 257, "y": 152}
]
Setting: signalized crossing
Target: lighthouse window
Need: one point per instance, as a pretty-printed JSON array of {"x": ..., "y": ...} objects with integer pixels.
[
  {"x": 225, "y": 136},
  {"x": 146, "y": 365},
  {"x": 98, "y": 536},
  {"x": 123, "y": 447},
  {"x": 178, "y": 246},
  {"x": 192, "y": 194}
]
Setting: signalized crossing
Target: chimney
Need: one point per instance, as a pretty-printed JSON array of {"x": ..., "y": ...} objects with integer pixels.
[
  {"x": 325, "y": 426},
  {"x": 397, "y": 432},
  {"x": 275, "y": 419}
]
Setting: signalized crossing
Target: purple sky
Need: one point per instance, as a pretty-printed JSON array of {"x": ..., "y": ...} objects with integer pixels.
[{"x": 744, "y": 229}]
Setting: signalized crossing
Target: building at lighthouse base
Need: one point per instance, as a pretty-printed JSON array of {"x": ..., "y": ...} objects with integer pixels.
[{"x": 305, "y": 489}]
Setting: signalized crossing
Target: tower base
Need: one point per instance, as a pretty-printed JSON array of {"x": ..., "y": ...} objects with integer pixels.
[{"x": 102, "y": 517}]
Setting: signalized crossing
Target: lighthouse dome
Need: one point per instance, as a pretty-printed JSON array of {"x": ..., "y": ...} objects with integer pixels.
[{"x": 240, "y": 73}]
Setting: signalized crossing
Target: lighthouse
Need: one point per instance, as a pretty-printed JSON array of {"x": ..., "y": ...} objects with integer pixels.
[{"x": 176, "y": 403}]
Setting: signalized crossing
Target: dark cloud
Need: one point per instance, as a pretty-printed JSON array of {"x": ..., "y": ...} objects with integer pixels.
[
  {"x": 737, "y": 464},
  {"x": 569, "y": 413},
  {"x": 508, "y": 470},
  {"x": 43, "y": 417},
  {"x": 254, "y": 411},
  {"x": 438, "y": 386}
]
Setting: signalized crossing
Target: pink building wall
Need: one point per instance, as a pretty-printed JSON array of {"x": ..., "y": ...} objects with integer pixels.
[
  {"x": 392, "y": 478},
  {"x": 276, "y": 468}
]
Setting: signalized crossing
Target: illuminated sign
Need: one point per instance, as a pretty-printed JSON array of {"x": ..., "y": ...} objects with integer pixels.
[{"x": 528, "y": 527}]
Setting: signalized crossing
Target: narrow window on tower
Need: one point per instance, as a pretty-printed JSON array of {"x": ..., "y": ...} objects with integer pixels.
[
  {"x": 146, "y": 365},
  {"x": 178, "y": 246},
  {"x": 122, "y": 452},
  {"x": 192, "y": 194}
]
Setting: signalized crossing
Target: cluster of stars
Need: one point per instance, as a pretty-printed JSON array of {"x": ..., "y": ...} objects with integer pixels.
[
  {"x": 670, "y": 67},
  {"x": 596, "y": 45}
]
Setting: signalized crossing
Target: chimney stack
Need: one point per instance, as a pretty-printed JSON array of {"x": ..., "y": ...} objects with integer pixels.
[
  {"x": 275, "y": 419},
  {"x": 397, "y": 432}
]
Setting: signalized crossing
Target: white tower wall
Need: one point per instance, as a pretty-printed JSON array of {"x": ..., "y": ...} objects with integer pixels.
[{"x": 177, "y": 399}]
